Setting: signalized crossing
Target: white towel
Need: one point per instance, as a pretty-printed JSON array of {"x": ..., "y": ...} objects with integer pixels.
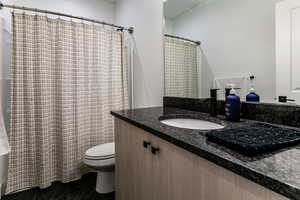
[
  {"x": 239, "y": 82},
  {"x": 4, "y": 145}
]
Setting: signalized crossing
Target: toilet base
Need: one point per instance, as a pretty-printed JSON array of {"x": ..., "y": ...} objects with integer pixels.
[{"x": 105, "y": 182}]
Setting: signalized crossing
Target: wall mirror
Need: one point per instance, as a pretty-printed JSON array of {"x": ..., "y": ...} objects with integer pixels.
[{"x": 215, "y": 43}]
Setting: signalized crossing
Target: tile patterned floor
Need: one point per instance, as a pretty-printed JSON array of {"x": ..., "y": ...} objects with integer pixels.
[{"x": 83, "y": 189}]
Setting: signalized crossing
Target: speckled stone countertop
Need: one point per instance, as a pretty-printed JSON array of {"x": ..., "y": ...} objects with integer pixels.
[{"x": 279, "y": 171}]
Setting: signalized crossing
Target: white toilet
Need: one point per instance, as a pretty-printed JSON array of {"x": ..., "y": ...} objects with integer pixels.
[{"x": 101, "y": 158}]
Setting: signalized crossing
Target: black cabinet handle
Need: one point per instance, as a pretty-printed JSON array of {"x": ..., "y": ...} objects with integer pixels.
[
  {"x": 154, "y": 150},
  {"x": 146, "y": 144}
]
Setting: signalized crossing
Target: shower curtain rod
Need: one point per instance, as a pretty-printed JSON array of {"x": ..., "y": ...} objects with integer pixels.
[
  {"x": 121, "y": 28},
  {"x": 182, "y": 38}
]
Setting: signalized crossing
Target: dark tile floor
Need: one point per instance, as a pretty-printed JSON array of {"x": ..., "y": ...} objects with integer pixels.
[{"x": 83, "y": 189}]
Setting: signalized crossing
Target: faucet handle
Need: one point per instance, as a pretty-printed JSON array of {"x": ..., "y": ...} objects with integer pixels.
[
  {"x": 213, "y": 93},
  {"x": 285, "y": 99}
]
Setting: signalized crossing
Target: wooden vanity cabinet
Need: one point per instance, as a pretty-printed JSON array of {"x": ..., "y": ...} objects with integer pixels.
[{"x": 149, "y": 168}]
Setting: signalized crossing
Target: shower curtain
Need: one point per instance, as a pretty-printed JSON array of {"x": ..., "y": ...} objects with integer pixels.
[
  {"x": 66, "y": 78},
  {"x": 181, "y": 69}
]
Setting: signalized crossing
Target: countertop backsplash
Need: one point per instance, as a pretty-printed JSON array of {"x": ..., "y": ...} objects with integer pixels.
[{"x": 284, "y": 114}]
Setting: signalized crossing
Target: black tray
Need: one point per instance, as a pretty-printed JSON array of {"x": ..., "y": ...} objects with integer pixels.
[{"x": 256, "y": 138}]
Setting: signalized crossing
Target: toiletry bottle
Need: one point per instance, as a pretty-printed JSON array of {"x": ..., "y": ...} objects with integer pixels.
[
  {"x": 252, "y": 96},
  {"x": 232, "y": 106}
]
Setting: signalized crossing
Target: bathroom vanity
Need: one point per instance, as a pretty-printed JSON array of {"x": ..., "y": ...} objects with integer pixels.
[
  {"x": 213, "y": 46},
  {"x": 155, "y": 161}
]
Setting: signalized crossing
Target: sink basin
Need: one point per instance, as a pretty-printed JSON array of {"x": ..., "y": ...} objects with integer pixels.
[{"x": 195, "y": 124}]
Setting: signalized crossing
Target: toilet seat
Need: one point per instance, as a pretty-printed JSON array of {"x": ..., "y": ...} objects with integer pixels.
[
  {"x": 101, "y": 152},
  {"x": 99, "y": 157},
  {"x": 100, "y": 164}
]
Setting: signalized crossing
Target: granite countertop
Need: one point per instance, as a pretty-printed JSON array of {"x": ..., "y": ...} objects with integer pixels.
[{"x": 279, "y": 171}]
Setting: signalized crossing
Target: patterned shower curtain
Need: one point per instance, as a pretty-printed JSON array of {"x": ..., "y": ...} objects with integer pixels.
[
  {"x": 66, "y": 78},
  {"x": 181, "y": 71}
]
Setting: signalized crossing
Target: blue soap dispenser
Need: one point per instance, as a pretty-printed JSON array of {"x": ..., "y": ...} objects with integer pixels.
[
  {"x": 232, "y": 106},
  {"x": 252, "y": 96}
]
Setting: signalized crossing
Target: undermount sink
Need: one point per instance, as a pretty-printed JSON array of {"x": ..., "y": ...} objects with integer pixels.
[{"x": 195, "y": 124}]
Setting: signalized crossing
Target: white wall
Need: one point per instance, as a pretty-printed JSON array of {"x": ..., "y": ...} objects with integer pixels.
[
  {"x": 237, "y": 36},
  {"x": 146, "y": 16},
  {"x": 169, "y": 26}
]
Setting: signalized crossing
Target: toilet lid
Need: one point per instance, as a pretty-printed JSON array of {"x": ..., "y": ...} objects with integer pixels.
[{"x": 102, "y": 151}]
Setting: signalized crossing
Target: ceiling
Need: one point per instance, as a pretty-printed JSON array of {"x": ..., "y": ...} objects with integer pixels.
[
  {"x": 174, "y": 8},
  {"x": 112, "y": 1}
]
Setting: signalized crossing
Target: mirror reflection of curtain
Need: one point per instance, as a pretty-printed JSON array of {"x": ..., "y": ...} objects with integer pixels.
[
  {"x": 181, "y": 72},
  {"x": 66, "y": 78}
]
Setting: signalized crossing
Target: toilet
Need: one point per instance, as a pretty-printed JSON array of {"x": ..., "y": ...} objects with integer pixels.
[{"x": 101, "y": 158}]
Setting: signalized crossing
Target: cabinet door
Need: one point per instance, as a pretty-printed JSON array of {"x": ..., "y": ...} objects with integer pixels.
[
  {"x": 174, "y": 173},
  {"x": 124, "y": 161},
  {"x": 133, "y": 163},
  {"x": 160, "y": 163},
  {"x": 179, "y": 174},
  {"x": 143, "y": 167}
]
